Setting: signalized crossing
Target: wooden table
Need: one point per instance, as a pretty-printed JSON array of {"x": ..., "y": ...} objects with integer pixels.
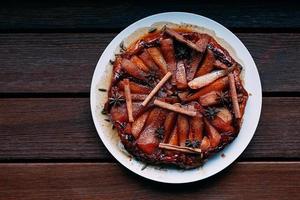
[{"x": 49, "y": 148}]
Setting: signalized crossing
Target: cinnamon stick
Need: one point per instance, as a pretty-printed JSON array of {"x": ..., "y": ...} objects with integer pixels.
[
  {"x": 234, "y": 98},
  {"x": 128, "y": 100},
  {"x": 175, "y": 108},
  {"x": 180, "y": 38},
  {"x": 180, "y": 148},
  {"x": 156, "y": 88}
]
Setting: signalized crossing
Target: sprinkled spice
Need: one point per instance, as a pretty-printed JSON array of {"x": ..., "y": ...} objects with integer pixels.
[
  {"x": 152, "y": 30},
  {"x": 160, "y": 132},
  {"x": 102, "y": 90},
  {"x": 123, "y": 48},
  {"x": 144, "y": 167},
  {"x": 112, "y": 62},
  {"x": 192, "y": 143},
  {"x": 211, "y": 112},
  {"x": 103, "y": 112}
]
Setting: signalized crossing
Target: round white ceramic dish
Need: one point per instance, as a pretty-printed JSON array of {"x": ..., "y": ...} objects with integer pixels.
[{"x": 216, "y": 163}]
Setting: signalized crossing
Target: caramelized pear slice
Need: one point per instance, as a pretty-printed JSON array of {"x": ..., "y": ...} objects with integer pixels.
[
  {"x": 202, "y": 43},
  {"x": 158, "y": 59},
  {"x": 181, "y": 81},
  {"x": 147, "y": 59},
  {"x": 174, "y": 139},
  {"x": 223, "y": 121},
  {"x": 135, "y": 88},
  {"x": 218, "y": 64},
  {"x": 209, "y": 99},
  {"x": 207, "y": 79},
  {"x": 119, "y": 113},
  {"x": 196, "y": 128},
  {"x": 169, "y": 125},
  {"x": 133, "y": 70},
  {"x": 167, "y": 48},
  {"x": 212, "y": 133},
  {"x": 207, "y": 64},
  {"x": 148, "y": 140},
  {"x": 218, "y": 85},
  {"x": 183, "y": 129},
  {"x": 138, "y": 124},
  {"x": 138, "y": 97},
  {"x": 205, "y": 144},
  {"x": 193, "y": 66},
  {"x": 139, "y": 63},
  {"x": 138, "y": 109}
]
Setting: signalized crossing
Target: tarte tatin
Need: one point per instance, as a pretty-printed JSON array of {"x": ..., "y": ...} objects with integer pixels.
[{"x": 176, "y": 97}]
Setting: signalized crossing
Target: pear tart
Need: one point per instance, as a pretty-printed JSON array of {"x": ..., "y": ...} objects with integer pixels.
[{"x": 176, "y": 97}]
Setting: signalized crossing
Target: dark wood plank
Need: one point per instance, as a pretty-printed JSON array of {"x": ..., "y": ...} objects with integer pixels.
[
  {"x": 49, "y": 62},
  {"x": 50, "y": 128},
  {"x": 105, "y": 14},
  {"x": 277, "y": 130},
  {"x": 60, "y": 62},
  {"x": 275, "y": 55},
  {"x": 110, "y": 181}
]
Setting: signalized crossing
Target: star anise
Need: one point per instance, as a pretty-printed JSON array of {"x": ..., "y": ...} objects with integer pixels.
[
  {"x": 182, "y": 51},
  {"x": 192, "y": 143},
  {"x": 116, "y": 99},
  {"x": 152, "y": 78},
  {"x": 159, "y": 133},
  {"x": 119, "y": 75},
  {"x": 122, "y": 47},
  {"x": 211, "y": 112},
  {"x": 224, "y": 99},
  {"x": 130, "y": 138}
]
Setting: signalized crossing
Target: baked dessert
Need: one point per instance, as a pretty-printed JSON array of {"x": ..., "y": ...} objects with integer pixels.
[{"x": 176, "y": 97}]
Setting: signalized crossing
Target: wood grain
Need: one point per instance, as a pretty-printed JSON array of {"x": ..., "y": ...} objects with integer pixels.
[
  {"x": 105, "y": 14},
  {"x": 49, "y": 62},
  {"x": 48, "y": 129},
  {"x": 49, "y": 148},
  {"x": 62, "y": 129},
  {"x": 110, "y": 181},
  {"x": 275, "y": 54},
  {"x": 64, "y": 63}
]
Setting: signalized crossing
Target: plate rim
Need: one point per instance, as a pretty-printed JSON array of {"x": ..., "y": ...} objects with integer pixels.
[{"x": 110, "y": 48}]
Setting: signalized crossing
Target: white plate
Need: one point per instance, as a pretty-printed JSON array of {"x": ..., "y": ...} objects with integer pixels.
[{"x": 216, "y": 163}]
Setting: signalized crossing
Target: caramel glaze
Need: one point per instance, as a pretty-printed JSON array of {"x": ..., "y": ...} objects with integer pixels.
[{"x": 145, "y": 147}]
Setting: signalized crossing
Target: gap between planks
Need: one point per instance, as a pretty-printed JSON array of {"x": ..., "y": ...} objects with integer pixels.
[
  {"x": 87, "y": 95},
  {"x": 113, "y": 161},
  {"x": 118, "y": 30}
]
